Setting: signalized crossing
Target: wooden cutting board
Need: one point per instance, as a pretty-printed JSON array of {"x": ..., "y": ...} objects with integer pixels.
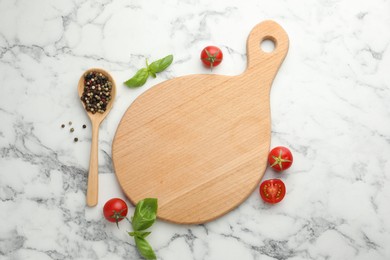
[{"x": 199, "y": 143}]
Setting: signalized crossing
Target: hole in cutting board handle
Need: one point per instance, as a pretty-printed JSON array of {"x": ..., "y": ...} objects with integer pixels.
[{"x": 268, "y": 44}]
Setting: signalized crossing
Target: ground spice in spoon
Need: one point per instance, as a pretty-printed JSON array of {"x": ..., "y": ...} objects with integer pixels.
[{"x": 97, "y": 92}]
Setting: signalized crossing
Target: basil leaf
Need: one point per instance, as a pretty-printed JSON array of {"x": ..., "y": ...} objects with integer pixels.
[
  {"x": 138, "y": 79},
  {"x": 144, "y": 248},
  {"x": 144, "y": 214},
  {"x": 160, "y": 65},
  {"x": 152, "y": 74},
  {"x": 142, "y": 234}
]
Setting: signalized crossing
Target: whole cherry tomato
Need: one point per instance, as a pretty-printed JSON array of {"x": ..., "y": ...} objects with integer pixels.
[
  {"x": 280, "y": 158},
  {"x": 272, "y": 191},
  {"x": 115, "y": 210},
  {"x": 211, "y": 56}
]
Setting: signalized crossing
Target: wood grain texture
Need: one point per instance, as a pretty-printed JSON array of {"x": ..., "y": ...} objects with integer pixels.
[
  {"x": 199, "y": 143},
  {"x": 93, "y": 180},
  {"x": 96, "y": 120}
]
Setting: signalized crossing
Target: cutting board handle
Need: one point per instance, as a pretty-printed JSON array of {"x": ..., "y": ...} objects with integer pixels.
[{"x": 259, "y": 61}]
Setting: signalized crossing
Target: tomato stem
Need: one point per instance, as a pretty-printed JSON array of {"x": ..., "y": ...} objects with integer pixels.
[
  {"x": 279, "y": 160},
  {"x": 117, "y": 216}
]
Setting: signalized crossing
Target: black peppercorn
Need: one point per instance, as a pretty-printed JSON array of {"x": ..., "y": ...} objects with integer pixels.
[
  {"x": 97, "y": 92},
  {"x": 84, "y": 126},
  {"x": 72, "y": 130},
  {"x": 62, "y": 125},
  {"x": 76, "y": 139}
]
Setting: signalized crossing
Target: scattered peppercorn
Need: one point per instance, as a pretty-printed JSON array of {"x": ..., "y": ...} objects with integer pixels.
[
  {"x": 76, "y": 139},
  {"x": 97, "y": 92},
  {"x": 72, "y": 130},
  {"x": 84, "y": 126},
  {"x": 62, "y": 125},
  {"x": 70, "y": 122}
]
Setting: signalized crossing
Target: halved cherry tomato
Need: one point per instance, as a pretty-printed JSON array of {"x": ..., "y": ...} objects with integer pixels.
[
  {"x": 211, "y": 56},
  {"x": 280, "y": 158},
  {"x": 272, "y": 191},
  {"x": 115, "y": 210}
]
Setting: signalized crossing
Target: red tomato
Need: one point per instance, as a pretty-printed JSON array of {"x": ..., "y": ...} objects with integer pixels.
[
  {"x": 115, "y": 210},
  {"x": 280, "y": 158},
  {"x": 211, "y": 56},
  {"x": 272, "y": 191}
]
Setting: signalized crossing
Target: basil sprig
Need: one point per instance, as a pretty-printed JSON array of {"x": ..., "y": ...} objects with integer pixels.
[
  {"x": 161, "y": 65},
  {"x": 142, "y": 234},
  {"x": 142, "y": 75},
  {"x": 144, "y": 216},
  {"x": 144, "y": 248},
  {"x": 138, "y": 79}
]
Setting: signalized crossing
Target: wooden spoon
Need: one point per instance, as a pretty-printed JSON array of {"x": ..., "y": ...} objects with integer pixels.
[{"x": 96, "y": 119}]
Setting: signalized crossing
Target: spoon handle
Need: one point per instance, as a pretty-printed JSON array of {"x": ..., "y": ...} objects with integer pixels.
[{"x": 92, "y": 190}]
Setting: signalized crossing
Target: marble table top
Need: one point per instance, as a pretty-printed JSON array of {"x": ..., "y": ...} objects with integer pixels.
[{"x": 329, "y": 105}]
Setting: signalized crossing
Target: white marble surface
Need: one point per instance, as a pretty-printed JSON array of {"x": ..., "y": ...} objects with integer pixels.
[{"x": 329, "y": 102}]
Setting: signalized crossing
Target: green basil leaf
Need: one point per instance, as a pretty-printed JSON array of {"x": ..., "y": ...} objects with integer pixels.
[
  {"x": 144, "y": 214},
  {"x": 152, "y": 74},
  {"x": 138, "y": 79},
  {"x": 144, "y": 248},
  {"x": 142, "y": 234},
  {"x": 160, "y": 65}
]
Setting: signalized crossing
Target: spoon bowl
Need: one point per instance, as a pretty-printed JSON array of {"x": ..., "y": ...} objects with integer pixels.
[{"x": 96, "y": 119}]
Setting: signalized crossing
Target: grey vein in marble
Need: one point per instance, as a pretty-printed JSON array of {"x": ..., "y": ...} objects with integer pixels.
[{"x": 329, "y": 104}]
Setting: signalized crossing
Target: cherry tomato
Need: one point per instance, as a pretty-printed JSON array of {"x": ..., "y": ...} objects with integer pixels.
[
  {"x": 115, "y": 210},
  {"x": 211, "y": 56},
  {"x": 280, "y": 158},
  {"x": 272, "y": 191}
]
